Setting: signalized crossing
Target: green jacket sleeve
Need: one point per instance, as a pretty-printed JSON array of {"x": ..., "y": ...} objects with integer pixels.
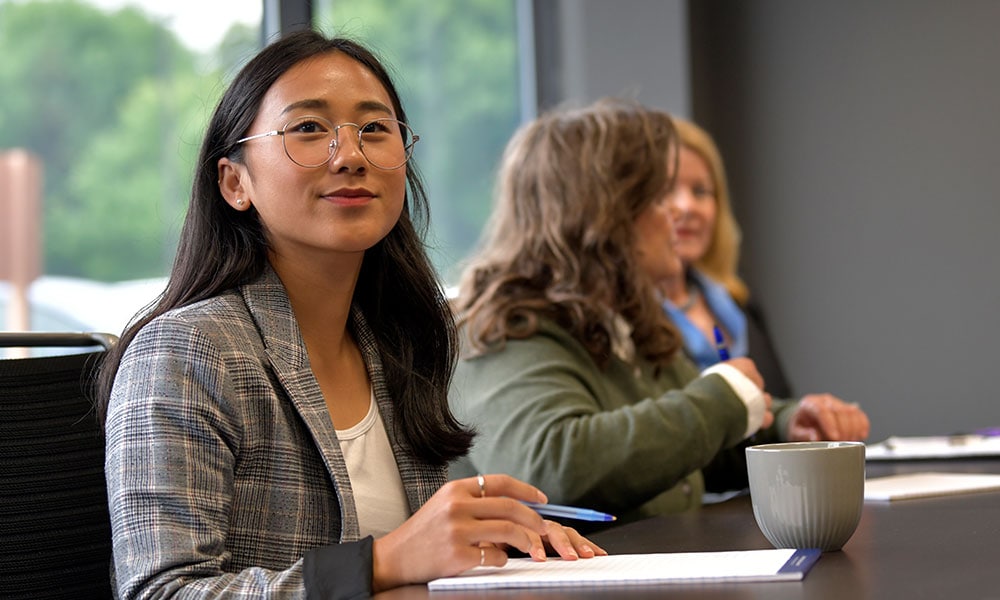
[
  {"x": 612, "y": 440},
  {"x": 728, "y": 470}
]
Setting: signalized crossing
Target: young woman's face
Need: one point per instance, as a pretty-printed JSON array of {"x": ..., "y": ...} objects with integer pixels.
[
  {"x": 693, "y": 206},
  {"x": 343, "y": 206}
]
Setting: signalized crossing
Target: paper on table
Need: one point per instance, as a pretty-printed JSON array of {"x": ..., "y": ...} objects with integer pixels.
[
  {"x": 638, "y": 569},
  {"x": 943, "y": 446},
  {"x": 923, "y": 485}
]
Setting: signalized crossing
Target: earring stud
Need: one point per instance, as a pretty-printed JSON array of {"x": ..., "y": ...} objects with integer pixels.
[{"x": 240, "y": 202}]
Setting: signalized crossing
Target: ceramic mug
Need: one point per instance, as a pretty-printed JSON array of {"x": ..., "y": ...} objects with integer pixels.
[{"x": 807, "y": 494}]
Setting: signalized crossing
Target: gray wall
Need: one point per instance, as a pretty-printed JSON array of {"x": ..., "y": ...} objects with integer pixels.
[
  {"x": 860, "y": 139},
  {"x": 586, "y": 49}
]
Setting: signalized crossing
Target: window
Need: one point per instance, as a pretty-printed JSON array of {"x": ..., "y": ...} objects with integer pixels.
[
  {"x": 111, "y": 98},
  {"x": 455, "y": 63}
]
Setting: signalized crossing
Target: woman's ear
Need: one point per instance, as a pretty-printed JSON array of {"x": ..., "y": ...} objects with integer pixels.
[{"x": 231, "y": 176}]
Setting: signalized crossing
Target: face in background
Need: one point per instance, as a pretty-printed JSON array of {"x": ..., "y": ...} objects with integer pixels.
[
  {"x": 344, "y": 206},
  {"x": 655, "y": 242},
  {"x": 693, "y": 206}
]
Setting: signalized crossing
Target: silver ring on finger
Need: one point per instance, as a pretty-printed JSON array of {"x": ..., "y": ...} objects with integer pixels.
[
  {"x": 482, "y": 556},
  {"x": 481, "y": 479}
]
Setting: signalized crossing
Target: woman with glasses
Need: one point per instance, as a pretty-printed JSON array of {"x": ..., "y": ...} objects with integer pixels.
[
  {"x": 277, "y": 424},
  {"x": 571, "y": 371}
]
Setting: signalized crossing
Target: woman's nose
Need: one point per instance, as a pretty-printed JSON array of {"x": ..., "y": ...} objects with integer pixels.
[
  {"x": 680, "y": 200},
  {"x": 347, "y": 154}
]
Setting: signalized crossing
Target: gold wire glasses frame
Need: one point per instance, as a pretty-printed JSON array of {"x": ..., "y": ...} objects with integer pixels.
[{"x": 312, "y": 141}]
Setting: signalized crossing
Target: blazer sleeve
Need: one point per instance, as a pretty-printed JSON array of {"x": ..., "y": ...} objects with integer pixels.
[{"x": 173, "y": 438}]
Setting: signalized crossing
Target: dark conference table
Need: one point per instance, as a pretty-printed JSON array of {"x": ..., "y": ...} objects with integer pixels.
[{"x": 946, "y": 547}]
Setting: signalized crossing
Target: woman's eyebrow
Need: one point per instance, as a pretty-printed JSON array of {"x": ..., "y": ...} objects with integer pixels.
[
  {"x": 374, "y": 105},
  {"x": 307, "y": 103},
  {"x": 319, "y": 103}
]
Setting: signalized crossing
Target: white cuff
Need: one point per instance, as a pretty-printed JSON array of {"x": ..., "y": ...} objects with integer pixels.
[{"x": 751, "y": 395}]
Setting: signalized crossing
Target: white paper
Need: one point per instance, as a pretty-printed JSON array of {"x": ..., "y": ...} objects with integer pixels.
[
  {"x": 923, "y": 485},
  {"x": 629, "y": 569},
  {"x": 944, "y": 446}
]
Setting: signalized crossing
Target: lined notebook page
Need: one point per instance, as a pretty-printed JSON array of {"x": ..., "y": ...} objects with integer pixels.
[
  {"x": 925, "y": 485},
  {"x": 638, "y": 569},
  {"x": 926, "y": 447}
]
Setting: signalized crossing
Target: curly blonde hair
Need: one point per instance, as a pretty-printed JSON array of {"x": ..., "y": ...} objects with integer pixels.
[{"x": 560, "y": 242}]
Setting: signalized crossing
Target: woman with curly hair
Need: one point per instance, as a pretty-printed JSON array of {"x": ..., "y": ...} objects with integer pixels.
[{"x": 571, "y": 371}]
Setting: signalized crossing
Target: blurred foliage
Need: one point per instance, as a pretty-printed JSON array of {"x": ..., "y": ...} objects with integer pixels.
[
  {"x": 115, "y": 105},
  {"x": 455, "y": 63}
]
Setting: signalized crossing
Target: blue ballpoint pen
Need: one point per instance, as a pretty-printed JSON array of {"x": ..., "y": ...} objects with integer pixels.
[
  {"x": 720, "y": 343},
  {"x": 569, "y": 512}
]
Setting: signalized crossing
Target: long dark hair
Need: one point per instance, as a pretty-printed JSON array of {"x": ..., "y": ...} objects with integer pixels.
[{"x": 397, "y": 290}]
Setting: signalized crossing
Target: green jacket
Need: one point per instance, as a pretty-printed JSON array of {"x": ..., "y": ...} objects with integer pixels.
[{"x": 623, "y": 440}]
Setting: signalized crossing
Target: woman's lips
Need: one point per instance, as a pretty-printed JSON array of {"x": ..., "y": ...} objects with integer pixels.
[{"x": 349, "y": 196}]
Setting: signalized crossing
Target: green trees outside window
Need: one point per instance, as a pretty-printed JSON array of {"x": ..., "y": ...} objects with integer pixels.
[
  {"x": 456, "y": 64},
  {"x": 114, "y": 104}
]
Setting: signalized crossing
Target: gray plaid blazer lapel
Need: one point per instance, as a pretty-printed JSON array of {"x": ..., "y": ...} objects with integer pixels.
[{"x": 269, "y": 306}]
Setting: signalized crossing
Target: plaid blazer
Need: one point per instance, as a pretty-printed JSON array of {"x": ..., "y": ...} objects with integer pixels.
[{"x": 223, "y": 466}]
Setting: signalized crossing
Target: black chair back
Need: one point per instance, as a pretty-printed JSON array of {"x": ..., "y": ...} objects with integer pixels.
[{"x": 55, "y": 531}]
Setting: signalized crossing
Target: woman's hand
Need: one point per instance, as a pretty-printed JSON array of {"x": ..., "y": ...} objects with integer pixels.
[
  {"x": 826, "y": 417},
  {"x": 464, "y": 525},
  {"x": 749, "y": 369}
]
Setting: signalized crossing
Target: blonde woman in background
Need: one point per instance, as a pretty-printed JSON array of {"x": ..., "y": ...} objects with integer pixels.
[{"x": 709, "y": 292}]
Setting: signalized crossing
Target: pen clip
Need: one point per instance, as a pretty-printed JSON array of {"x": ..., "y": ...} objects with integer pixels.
[{"x": 720, "y": 343}]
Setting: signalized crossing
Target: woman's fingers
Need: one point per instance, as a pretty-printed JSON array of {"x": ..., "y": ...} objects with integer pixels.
[
  {"x": 468, "y": 523},
  {"x": 855, "y": 423},
  {"x": 506, "y": 521},
  {"x": 569, "y": 544},
  {"x": 502, "y": 485},
  {"x": 824, "y": 416},
  {"x": 768, "y": 415},
  {"x": 507, "y": 529}
]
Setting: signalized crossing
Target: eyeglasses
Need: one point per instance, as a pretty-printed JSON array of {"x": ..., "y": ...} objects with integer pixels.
[{"x": 312, "y": 141}]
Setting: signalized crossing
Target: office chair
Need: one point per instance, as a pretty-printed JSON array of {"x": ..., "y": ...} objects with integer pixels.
[{"x": 55, "y": 531}]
